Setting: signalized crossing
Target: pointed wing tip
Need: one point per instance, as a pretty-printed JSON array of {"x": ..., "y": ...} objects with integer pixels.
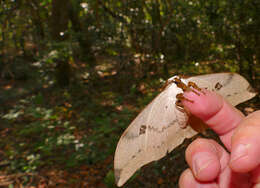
[
  {"x": 252, "y": 91},
  {"x": 118, "y": 179},
  {"x": 119, "y": 182}
]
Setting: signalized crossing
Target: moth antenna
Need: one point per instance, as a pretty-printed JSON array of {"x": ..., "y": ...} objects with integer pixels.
[{"x": 185, "y": 87}]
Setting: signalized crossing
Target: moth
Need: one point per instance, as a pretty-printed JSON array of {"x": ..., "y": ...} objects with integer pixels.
[{"x": 162, "y": 126}]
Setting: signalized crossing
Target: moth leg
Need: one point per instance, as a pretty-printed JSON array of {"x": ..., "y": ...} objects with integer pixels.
[
  {"x": 195, "y": 86},
  {"x": 179, "y": 98},
  {"x": 180, "y": 84},
  {"x": 180, "y": 107},
  {"x": 178, "y": 103},
  {"x": 185, "y": 87}
]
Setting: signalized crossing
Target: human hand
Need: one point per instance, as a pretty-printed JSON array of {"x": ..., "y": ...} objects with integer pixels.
[{"x": 210, "y": 164}]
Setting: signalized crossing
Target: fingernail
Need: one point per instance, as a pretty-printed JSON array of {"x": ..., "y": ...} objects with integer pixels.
[
  {"x": 201, "y": 161},
  {"x": 239, "y": 152}
]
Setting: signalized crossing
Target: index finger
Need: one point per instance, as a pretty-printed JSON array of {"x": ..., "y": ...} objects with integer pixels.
[{"x": 214, "y": 111}]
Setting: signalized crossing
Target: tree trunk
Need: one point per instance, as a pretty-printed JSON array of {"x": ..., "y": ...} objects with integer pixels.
[{"x": 59, "y": 24}]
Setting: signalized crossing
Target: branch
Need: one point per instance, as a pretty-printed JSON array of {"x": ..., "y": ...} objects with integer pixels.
[{"x": 114, "y": 15}]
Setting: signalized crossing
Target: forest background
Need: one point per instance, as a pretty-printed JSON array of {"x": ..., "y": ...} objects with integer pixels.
[{"x": 74, "y": 73}]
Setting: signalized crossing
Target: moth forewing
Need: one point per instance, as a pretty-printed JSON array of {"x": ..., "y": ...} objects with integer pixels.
[{"x": 149, "y": 136}]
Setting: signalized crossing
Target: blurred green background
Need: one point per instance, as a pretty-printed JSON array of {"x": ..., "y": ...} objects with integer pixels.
[{"x": 74, "y": 73}]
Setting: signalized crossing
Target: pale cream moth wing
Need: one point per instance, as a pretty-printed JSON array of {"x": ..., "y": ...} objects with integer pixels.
[
  {"x": 232, "y": 86},
  {"x": 157, "y": 129},
  {"x": 154, "y": 132}
]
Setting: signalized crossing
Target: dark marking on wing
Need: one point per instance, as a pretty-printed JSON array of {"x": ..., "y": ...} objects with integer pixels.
[
  {"x": 142, "y": 129},
  {"x": 166, "y": 106},
  {"x": 134, "y": 156},
  {"x": 158, "y": 146},
  {"x": 218, "y": 86},
  {"x": 230, "y": 77},
  {"x": 230, "y": 95},
  {"x": 150, "y": 128}
]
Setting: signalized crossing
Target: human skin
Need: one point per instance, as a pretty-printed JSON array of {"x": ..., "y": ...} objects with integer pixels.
[{"x": 210, "y": 165}]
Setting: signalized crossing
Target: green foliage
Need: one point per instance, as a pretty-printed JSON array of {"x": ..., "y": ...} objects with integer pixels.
[
  {"x": 41, "y": 138},
  {"x": 105, "y": 129},
  {"x": 45, "y": 136},
  {"x": 110, "y": 179}
]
